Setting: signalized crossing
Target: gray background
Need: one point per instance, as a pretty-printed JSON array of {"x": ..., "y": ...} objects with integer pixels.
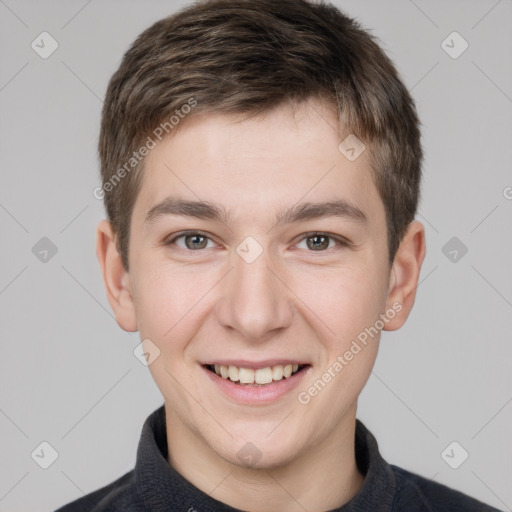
[{"x": 68, "y": 374}]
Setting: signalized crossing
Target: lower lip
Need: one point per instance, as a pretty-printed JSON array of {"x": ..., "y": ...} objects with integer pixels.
[{"x": 256, "y": 394}]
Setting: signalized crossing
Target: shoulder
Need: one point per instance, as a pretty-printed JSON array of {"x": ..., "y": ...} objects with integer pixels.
[
  {"x": 415, "y": 493},
  {"x": 114, "y": 496}
]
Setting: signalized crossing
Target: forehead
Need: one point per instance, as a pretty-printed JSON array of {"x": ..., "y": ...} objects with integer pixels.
[{"x": 261, "y": 164}]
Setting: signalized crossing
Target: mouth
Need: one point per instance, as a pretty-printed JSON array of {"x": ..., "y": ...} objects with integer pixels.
[{"x": 256, "y": 377}]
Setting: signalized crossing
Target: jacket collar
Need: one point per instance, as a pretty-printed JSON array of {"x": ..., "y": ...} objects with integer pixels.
[{"x": 158, "y": 485}]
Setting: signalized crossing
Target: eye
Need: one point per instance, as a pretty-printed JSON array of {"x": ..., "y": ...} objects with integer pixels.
[
  {"x": 320, "y": 242},
  {"x": 193, "y": 240},
  {"x": 315, "y": 241}
]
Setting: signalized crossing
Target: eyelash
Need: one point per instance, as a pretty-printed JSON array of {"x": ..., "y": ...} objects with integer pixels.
[{"x": 341, "y": 242}]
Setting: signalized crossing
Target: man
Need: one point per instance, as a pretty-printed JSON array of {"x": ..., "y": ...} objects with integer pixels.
[{"x": 261, "y": 167}]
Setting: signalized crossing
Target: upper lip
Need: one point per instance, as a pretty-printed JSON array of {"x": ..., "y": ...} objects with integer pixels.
[{"x": 243, "y": 363}]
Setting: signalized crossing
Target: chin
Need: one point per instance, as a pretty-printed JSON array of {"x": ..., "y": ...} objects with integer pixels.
[{"x": 262, "y": 454}]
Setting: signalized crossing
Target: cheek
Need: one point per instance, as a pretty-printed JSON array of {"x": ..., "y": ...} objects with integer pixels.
[
  {"x": 345, "y": 300},
  {"x": 352, "y": 303},
  {"x": 169, "y": 313},
  {"x": 165, "y": 301}
]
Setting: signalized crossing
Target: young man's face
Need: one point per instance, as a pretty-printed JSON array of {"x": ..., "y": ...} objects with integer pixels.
[{"x": 251, "y": 291}]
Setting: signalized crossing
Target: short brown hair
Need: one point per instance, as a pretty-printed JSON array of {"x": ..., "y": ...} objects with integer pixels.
[{"x": 250, "y": 56}]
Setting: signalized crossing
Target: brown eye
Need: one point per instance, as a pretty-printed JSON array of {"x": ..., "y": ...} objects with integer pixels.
[{"x": 318, "y": 242}]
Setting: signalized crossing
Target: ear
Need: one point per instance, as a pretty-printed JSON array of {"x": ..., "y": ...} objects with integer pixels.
[
  {"x": 405, "y": 273},
  {"x": 115, "y": 277}
]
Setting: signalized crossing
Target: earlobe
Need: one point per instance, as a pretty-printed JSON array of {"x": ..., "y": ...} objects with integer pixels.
[
  {"x": 115, "y": 278},
  {"x": 405, "y": 274}
]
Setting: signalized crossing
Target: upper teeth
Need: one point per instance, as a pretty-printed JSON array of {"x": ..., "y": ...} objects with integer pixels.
[{"x": 259, "y": 376}]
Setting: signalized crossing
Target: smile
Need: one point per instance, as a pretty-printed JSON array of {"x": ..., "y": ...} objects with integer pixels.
[{"x": 255, "y": 377}]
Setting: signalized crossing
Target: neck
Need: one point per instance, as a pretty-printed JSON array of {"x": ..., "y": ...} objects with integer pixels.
[{"x": 322, "y": 477}]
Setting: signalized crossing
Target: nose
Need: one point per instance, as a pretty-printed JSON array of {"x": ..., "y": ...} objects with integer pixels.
[{"x": 255, "y": 300}]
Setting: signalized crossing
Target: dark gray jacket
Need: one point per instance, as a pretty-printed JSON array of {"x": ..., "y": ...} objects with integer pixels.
[{"x": 154, "y": 486}]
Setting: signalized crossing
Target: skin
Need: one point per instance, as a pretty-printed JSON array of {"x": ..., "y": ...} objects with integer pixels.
[{"x": 293, "y": 301}]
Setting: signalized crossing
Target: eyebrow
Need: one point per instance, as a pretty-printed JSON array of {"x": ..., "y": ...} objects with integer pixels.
[{"x": 297, "y": 213}]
